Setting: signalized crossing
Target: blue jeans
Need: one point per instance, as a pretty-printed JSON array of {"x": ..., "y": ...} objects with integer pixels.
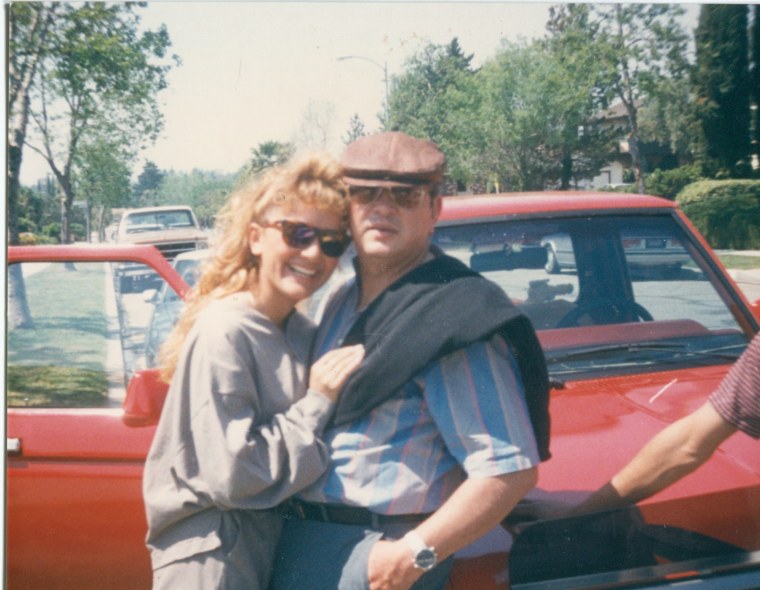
[{"x": 326, "y": 556}]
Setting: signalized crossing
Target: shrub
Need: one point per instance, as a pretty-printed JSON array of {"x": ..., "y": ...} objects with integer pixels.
[
  {"x": 26, "y": 225},
  {"x": 52, "y": 230},
  {"x": 668, "y": 183},
  {"x": 78, "y": 232},
  {"x": 726, "y": 212}
]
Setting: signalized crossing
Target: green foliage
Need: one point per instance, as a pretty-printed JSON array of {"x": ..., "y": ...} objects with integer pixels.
[
  {"x": 722, "y": 84},
  {"x": 436, "y": 99},
  {"x": 52, "y": 230},
  {"x": 102, "y": 173},
  {"x": 97, "y": 81},
  {"x": 204, "y": 191},
  {"x": 147, "y": 183},
  {"x": 78, "y": 232},
  {"x": 266, "y": 155},
  {"x": 355, "y": 130},
  {"x": 726, "y": 212},
  {"x": 668, "y": 183}
]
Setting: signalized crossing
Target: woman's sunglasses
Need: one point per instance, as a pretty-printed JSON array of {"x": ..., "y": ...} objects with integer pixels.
[
  {"x": 332, "y": 242},
  {"x": 404, "y": 197}
]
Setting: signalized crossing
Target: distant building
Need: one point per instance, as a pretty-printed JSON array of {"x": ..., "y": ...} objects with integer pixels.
[{"x": 619, "y": 171}]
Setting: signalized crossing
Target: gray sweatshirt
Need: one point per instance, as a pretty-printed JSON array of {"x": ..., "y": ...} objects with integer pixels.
[{"x": 238, "y": 432}]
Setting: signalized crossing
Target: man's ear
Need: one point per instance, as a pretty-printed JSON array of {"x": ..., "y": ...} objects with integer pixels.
[
  {"x": 254, "y": 238},
  {"x": 436, "y": 205}
]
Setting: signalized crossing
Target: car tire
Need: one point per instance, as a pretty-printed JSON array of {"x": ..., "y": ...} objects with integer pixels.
[{"x": 552, "y": 264}]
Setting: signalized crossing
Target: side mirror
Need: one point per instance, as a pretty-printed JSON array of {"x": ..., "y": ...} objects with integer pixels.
[{"x": 145, "y": 398}]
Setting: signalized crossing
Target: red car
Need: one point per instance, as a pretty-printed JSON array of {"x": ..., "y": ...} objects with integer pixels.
[{"x": 628, "y": 353}]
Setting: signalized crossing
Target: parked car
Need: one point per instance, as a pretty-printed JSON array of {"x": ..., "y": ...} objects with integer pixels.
[
  {"x": 627, "y": 354},
  {"x": 167, "y": 305},
  {"x": 644, "y": 250},
  {"x": 171, "y": 229}
]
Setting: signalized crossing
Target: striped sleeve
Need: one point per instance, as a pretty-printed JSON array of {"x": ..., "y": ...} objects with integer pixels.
[
  {"x": 737, "y": 398},
  {"x": 476, "y": 398}
]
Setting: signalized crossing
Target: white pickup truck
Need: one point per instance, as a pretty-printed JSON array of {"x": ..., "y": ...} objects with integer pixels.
[{"x": 171, "y": 229}]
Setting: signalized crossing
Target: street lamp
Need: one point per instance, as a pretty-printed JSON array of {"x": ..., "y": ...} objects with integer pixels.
[{"x": 384, "y": 68}]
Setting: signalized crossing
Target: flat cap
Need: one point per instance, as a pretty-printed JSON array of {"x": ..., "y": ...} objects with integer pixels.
[{"x": 392, "y": 159}]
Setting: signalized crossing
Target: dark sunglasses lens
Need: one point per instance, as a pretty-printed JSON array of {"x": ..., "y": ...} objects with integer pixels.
[
  {"x": 364, "y": 195},
  {"x": 401, "y": 196},
  {"x": 298, "y": 235},
  {"x": 333, "y": 246}
]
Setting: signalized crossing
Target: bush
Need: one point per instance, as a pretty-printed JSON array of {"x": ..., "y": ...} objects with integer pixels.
[
  {"x": 726, "y": 212},
  {"x": 31, "y": 239},
  {"x": 52, "y": 230},
  {"x": 26, "y": 225},
  {"x": 668, "y": 183},
  {"x": 78, "y": 232}
]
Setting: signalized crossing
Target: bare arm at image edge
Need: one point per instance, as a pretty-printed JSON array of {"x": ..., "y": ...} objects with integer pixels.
[{"x": 673, "y": 453}]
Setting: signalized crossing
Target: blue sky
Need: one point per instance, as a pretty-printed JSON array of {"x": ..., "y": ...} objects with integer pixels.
[{"x": 250, "y": 69}]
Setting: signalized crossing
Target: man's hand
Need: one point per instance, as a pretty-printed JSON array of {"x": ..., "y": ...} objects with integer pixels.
[{"x": 390, "y": 566}]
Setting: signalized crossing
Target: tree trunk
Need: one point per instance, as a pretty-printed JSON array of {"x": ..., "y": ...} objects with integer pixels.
[
  {"x": 101, "y": 224},
  {"x": 18, "y": 308}
]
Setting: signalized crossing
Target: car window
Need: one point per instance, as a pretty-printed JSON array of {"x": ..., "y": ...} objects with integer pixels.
[
  {"x": 594, "y": 287},
  {"x": 84, "y": 339}
]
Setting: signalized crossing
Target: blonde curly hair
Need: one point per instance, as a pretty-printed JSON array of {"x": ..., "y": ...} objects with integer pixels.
[{"x": 314, "y": 180}]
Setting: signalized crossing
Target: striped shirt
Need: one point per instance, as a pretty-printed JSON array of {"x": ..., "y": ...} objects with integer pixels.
[
  {"x": 463, "y": 416},
  {"x": 737, "y": 398}
]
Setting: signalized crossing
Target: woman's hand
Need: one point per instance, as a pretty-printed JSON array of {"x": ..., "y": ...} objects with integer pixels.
[{"x": 330, "y": 372}]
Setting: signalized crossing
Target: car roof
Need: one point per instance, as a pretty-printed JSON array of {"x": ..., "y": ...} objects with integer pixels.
[
  {"x": 487, "y": 205},
  {"x": 158, "y": 209}
]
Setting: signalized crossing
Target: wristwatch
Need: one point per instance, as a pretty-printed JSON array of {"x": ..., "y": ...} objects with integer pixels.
[{"x": 423, "y": 556}]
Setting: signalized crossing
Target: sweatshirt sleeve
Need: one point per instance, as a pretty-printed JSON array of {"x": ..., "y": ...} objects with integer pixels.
[{"x": 247, "y": 464}]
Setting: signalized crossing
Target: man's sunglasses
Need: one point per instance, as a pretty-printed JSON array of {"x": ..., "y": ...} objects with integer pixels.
[
  {"x": 332, "y": 242},
  {"x": 405, "y": 197}
]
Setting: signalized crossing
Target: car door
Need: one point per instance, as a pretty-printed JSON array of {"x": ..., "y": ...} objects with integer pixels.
[{"x": 75, "y": 516}]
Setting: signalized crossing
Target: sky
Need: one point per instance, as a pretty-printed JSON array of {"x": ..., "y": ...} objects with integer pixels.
[{"x": 250, "y": 70}]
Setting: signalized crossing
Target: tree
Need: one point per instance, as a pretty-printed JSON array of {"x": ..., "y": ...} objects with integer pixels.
[
  {"x": 147, "y": 184},
  {"x": 204, "y": 191},
  {"x": 102, "y": 179},
  {"x": 536, "y": 114},
  {"x": 29, "y": 24},
  {"x": 268, "y": 154},
  {"x": 722, "y": 84},
  {"x": 355, "y": 130},
  {"x": 436, "y": 99},
  {"x": 99, "y": 77},
  {"x": 316, "y": 129},
  {"x": 635, "y": 47}
]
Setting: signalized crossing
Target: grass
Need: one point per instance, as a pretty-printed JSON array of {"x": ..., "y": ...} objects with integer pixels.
[
  {"x": 58, "y": 387},
  {"x": 739, "y": 262},
  {"x": 60, "y": 361}
]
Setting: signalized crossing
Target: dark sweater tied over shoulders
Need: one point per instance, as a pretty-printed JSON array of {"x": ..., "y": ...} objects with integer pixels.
[{"x": 437, "y": 308}]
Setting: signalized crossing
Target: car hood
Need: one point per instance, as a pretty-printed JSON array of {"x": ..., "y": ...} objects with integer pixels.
[{"x": 602, "y": 423}]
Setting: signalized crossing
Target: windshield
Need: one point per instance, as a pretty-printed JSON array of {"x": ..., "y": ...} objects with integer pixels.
[
  {"x": 155, "y": 220},
  {"x": 606, "y": 294}
]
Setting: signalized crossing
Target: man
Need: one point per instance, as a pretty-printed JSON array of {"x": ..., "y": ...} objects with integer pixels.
[
  {"x": 686, "y": 444},
  {"x": 431, "y": 444}
]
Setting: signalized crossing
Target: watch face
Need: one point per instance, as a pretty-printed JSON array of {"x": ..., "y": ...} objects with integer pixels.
[{"x": 425, "y": 559}]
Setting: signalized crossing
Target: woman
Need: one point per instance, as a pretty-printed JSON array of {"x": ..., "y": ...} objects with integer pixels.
[{"x": 239, "y": 430}]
